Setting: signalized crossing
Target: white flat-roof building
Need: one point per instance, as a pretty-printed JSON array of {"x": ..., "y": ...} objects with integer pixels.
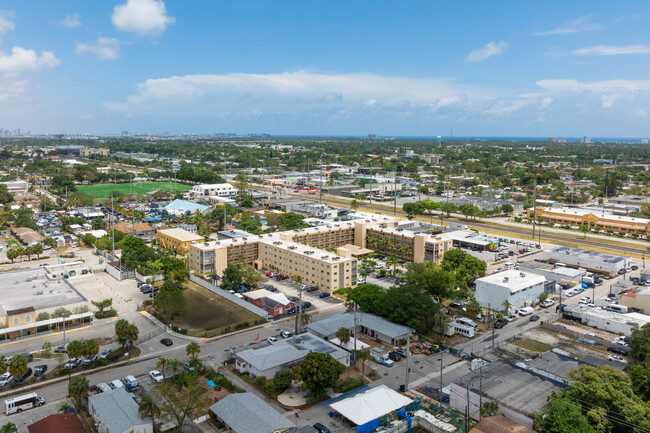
[
  {"x": 519, "y": 288},
  {"x": 593, "y": 261},
  {"x": 559, "y": 274},
  {"x": 217, "y": 189}
]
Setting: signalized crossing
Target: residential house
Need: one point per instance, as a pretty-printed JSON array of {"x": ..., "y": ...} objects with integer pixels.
[
  {"x": 116, "y": 411},
  {"x": 58, "y": 423},
  {"x": 247, "y": 413},
  {"x": 275, "y": 304},
  {"x": 28, "y": 236},
  {"x": 141, "y": 230}
]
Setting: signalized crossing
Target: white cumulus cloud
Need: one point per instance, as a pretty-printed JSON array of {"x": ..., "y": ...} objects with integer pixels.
[
  {"x": 609, "y": 91},
  {"x": 6, "y": 25},
  {"x": 144, "y": 17},
  {"x": 71, "y": 21},
  {"x": 21, "y": 59},
  {"x": 489, "y": 50},
  {"x": 577, "y": 25},
  {"x": 104, "y": 48},
  {"x": 613, "y": 50}
]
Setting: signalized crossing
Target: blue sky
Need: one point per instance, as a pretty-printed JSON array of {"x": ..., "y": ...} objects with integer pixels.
[{"x": 416, "y": 68}]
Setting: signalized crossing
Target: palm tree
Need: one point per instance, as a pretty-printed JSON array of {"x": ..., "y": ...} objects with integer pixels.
[
  {"x": 64, "y": 408},
  {"x": 392, "y": 261},
  {"x": 77, "y": 388},
  {"x": 196, "y": 363},
  {"x": 193, "y": 349},
  {"x": 507, "y": 305},
  {"x": 3, "y": 363},
  {"x": 148, "y": 408},
  {"x": 343, "y": 334},
  {"x": 305, "y": 319},
  {"x": 18, "y": 366},
  {"x": 162, "y": 365},
  {"x": 363, "y": 356},
  {"x": 9, "y": 428},
  {"x": 354, "y": 205},
  {"x": 175, "y": 366}
]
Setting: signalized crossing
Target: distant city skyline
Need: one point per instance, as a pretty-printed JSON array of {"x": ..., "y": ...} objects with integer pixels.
[{"x": 564, "y": 69}]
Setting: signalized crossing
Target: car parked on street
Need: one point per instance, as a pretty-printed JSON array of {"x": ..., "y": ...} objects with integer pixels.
[
  {"x": 286, "y": 334},
  {"x": 500, "y": 323},
  {"x": 156, "y": 376},
  {"x": 24, "y": 376},
  {"x": 167, "y": 341},
  {"x": 105, "y": 353},
  {"x": 547, "y": 303},
  {"x": 616, "y": 358}
]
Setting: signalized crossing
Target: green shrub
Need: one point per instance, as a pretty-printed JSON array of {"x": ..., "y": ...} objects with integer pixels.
[
  {"x": 260, "y": 382},
  {"x": 105, "y": 314},
  {"x": 351, "y": 383}
]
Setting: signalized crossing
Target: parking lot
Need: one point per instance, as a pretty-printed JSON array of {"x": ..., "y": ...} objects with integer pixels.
[{"x": 291, "y": 289}]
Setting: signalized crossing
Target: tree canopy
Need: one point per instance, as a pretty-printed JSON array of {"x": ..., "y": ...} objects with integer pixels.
[{"x": 318, "y": 371}]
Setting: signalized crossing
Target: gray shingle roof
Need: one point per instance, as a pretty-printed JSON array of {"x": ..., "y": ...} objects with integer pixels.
[
  {"x": 117, "y": 409},
  {"x": 247, "y": 413},
  {"x": 332, "y": 324}
]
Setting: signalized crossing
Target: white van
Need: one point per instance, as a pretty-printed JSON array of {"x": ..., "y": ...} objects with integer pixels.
[
  {"x": 617, "y": 308},
  {"x": 526, "y": 311}
]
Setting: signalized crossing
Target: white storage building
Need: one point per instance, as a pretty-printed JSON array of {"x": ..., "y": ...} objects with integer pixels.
[
  {"x": 217, "y": 189},
  {"x": 593, "y": 261},
  {"x": 519, "y": 288},
  {"x": 559, "y": 274}
]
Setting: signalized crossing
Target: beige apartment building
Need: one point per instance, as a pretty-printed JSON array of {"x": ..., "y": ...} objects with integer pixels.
[{"x": 300, "y": 252}]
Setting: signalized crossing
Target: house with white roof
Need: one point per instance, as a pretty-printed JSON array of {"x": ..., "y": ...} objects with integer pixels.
[{"x": 275, "y": 304}]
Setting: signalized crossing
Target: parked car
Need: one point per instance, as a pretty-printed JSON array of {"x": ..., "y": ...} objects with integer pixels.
[
  {"x": 73, "y": 363},
  {"x": 40, "y": 370},
  {"x": 617, "y": 350},
  {"x": 622, "y": 340},
  {"x": 511, "y": 318},
  {"x": 500, "y": 323},
  {"x": 272, "y": 340},
  {"x": 394, "y": 356},
  {"x": 616, "y": 358},
  {"x": 6, "y": 379},
  {"x": 286, "y": 334},
  {"x": 167, "y": 341},
  {"x": 105, "y": 353},
  {"x": 386, "y": 362},
  {"x": 547, "y": 303},
  {"x": 270, "y": 288},
  {"x": 320, "y": 428},
  {"x": 281, "y": 277},
  {"x": 534, "y": 318},
  {"x": 584, "y": 300},
  {"x": 29, "y": 356},
  {"x": 131, "y": 383},
  {"x": 24, "y": 376},
  {"x": 361, "y": 281},
  {"x": 156, "y": 376},
  {"x": 526, "y": 311},
  {"x": 293, "y": 298},
  {"x": 188, "y": 367},
  {"x": 400, "y": 352},
  {"x": 323, "y": 295},
  {"x": 115, "y": 384},
  {"x": 63, "y": 348},
  {"x": 634, "y": 267},
  {"x": 90, "y": 359}
]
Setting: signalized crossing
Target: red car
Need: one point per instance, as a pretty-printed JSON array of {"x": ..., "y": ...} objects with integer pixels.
[
  {"x": 269, "y": 273},
  {"x": 281, "y": 277}
]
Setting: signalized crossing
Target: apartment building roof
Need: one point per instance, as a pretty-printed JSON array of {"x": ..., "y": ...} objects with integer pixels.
[
  {"x": 306, "y": 250},
  {"x": 181, "y": 235}
]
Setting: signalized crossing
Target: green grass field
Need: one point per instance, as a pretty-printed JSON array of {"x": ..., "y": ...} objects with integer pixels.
[{"x": 104, "y": 190}]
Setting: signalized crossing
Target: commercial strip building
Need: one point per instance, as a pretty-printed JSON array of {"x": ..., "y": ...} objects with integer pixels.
[
  {"x": 610, "y": 321},
  {"x": 89, "y": 151},
  {"x": 559, "y": 274},
  {"x": 592, "y": 261},
  {"x": 284, "y": 354},
  {"x": 178, "y": 240},
  {"x": 360, "y": 323},
  {"x": 519, "y": 288},
  {"x": 594, "y": 220}
]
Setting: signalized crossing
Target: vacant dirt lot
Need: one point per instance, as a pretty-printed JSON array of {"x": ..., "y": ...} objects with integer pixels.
[{"x": 207, "y": 310}]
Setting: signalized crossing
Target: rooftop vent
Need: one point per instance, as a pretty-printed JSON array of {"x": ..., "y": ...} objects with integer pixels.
[
  {"x": 506, "y": 279},
  {"x": 522, "y": 275},
  {"x": 324, "y": 257}
]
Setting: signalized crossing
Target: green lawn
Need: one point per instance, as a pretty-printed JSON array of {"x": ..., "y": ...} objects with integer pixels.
[{"x": 104, "y": 190}]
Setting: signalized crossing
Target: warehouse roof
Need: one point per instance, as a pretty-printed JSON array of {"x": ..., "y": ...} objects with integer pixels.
[
  {"x": 513, "y": 279},
  {"x": 185, "y": 206}
]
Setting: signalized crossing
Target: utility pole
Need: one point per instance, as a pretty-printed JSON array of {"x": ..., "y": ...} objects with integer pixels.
[
  {"x": 480, "y": 391},
  {"x": 534, "y": 206},
  {"x": 321, "y": 178},
  {"x": 395, "y": 194},
  {"x": 408, "y": 364},
  {"x": 467, "y": 423},
  {"x": 299, "y": 315},
  {"x": 112, "y": 225},
  {"x": 441, "y": 367}
]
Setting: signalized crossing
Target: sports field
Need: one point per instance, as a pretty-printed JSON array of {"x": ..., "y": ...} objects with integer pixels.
[{"x": 104, "y": 190}]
